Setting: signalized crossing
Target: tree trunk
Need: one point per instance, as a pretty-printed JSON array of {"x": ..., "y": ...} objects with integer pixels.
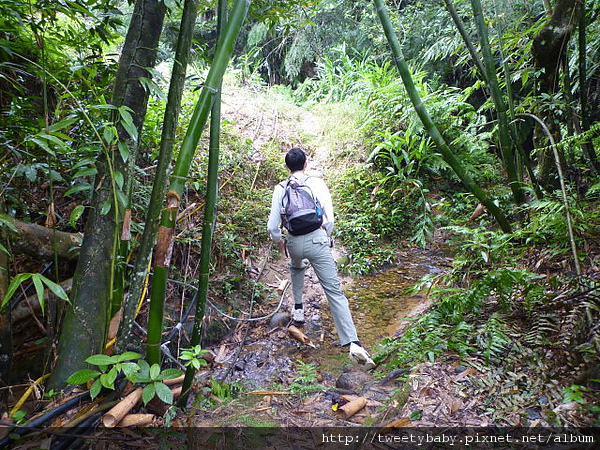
[
  {"x": 86, "y": 323},
  {"x": 549, "y": 45},
  {"x": 5, "y": 317},
  {"x": 140, "y": 270},
  {"x": 449, "y": 157},
  {"x": 549, "y": 50}
]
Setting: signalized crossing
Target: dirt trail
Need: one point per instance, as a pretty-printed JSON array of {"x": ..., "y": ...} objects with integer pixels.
[{"x": 269, "y": 359}]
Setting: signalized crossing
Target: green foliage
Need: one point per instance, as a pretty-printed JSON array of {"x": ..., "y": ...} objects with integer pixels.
[
  {"x": 138, "y": 372},
  {"x": 38, "y": 281},
  {"x": 306, "y": 381},
  {"x": 574, "y": 393},
  {"x": 192, "y": 356}
]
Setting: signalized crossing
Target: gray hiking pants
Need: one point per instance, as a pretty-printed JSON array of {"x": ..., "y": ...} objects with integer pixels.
[{"x": 315, "y": 248}]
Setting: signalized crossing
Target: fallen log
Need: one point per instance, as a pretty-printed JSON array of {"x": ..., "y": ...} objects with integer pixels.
[
  {"x": 32, "y": 305},
  {"x": 37, "y": 240}
]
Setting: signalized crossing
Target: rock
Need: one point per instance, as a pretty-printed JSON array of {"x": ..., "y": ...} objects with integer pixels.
[
  {"x": 354, "y": 380},
  {"x": 533, "y": 413},
  {"x": 280, "y": 319}
]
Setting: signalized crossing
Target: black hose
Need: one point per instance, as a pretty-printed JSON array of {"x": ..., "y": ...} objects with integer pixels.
[{"x": 36, "y": 423}]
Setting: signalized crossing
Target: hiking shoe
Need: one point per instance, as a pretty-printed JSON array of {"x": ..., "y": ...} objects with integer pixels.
[
  {"x": 298, "y": 315},
  {"x": 359, "y": 355}
]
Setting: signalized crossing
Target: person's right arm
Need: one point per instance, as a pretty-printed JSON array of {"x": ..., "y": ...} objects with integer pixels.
[{"x": 275, "y": 214}]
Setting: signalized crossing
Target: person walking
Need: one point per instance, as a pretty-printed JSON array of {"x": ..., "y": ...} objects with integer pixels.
[{"x": 313, "y": 245}]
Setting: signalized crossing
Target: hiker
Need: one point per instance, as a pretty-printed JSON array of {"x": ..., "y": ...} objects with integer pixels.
[{"x": 311, "y": 241}]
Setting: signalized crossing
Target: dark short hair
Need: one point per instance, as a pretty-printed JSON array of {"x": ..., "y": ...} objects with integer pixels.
[{"x": 295, "y": 159}]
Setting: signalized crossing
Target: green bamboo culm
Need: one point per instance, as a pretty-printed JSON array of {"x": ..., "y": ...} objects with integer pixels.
[
  {"x": 172, "y": 110},
  {"x": 427, "y": 122},
  {"x": 209, "y": 221},
  {"x": 506, "y": 141},
  {"x": 162, "y": 254}
]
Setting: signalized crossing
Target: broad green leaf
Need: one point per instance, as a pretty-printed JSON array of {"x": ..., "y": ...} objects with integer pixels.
[
  {"x": 148, "y": 393},
  {"x": 124, "y": 150},
  {"x": 39, "y": 289},
  {"x": 143, "y": 375},
  {"x": 169, "y": 374},
  {"x": 127, "y": 122},
  {"x": 163, "y": 392},
  {"x": 86, "y": 172},
  {"x": 76, "y": 214},
  {"x": 119, "y": 179},
  {"x": 130, "y": 370},
  {"x": 79, "y": 188},
  {"x": 108, "y": 134},
  {"x": 95, "y": 389},
  {"x": 154, "y": 371},
  {"x": 101, "y": 360},
  {"x": 126, "y": 356},
  {"x": 82, "y": 376},
  {"x": 56, "y": 289},
  {"x": 14, "y": 285},
  {"x": 108, "y": 379},
  {"x": 123, "y": 201},
  {"x": 53, "y": 139},
  {"x": 43, "y": 145},
  {"x": 62, "y": 124},
  {"x": 106, "y": 207}
]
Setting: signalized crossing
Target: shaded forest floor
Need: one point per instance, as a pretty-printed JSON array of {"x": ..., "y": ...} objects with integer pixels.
[{"x": 266, "y": 362}]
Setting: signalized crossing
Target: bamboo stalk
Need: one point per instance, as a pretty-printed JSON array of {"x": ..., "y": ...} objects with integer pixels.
[
  {"x": 506, "y": 142},
  {"x": 227, "y": 28},
  {"x": 120, "y": 410},
  {"x": 176, "y": 86},
  {"x": 180, "y": 174},
  {"x": 447, "y": 154}
]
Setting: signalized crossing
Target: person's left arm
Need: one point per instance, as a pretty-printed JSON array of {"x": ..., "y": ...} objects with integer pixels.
[{"x": 324, "y": 196}]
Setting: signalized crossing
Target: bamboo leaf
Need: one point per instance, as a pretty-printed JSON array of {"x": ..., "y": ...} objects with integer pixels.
[
  {"x": 6, "y": 222},
  {"x": 39, "y": 289},
  {"x": 61, "y": 125},
  {"x": 55, "y": 288},
  {"x": 14, "y": 284}
]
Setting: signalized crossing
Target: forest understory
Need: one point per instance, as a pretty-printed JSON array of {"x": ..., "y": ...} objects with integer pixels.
[{"x": 142, "y": 302}]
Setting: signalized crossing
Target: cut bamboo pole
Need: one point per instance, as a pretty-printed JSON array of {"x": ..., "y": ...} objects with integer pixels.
[
  {"x": 136, "y": 420},
  {"x": 120, "y": 410},
  {"x": 299, "y": 336},
  {"x": 351, "y": 408}
]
